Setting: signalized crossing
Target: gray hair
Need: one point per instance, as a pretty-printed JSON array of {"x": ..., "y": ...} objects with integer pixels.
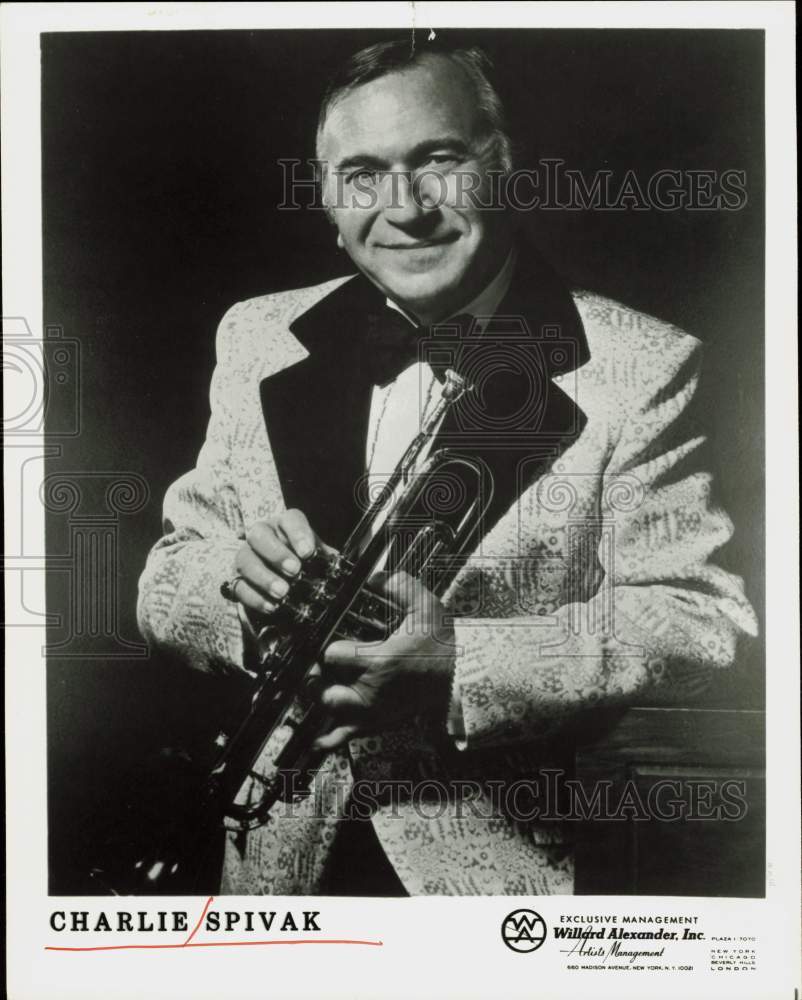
[{"x": 379, "y": 60}]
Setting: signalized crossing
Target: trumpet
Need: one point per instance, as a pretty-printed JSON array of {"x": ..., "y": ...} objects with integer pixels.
[{"x": 424, "y": 522}]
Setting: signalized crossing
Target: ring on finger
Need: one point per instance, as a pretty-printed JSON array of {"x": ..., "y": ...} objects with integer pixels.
[{"x": 228, "y": 588}]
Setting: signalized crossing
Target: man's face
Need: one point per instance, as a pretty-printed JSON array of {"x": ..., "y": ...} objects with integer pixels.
[{"x": 403, "y": 153}]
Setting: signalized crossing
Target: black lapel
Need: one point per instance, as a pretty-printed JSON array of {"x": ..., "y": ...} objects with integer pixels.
[
  {"x": 517, "y": 421},
  {"x": 317, "y": 411}
]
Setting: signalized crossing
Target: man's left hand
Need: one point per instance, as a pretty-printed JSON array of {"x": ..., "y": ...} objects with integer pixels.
[{"x": 371, "y": 687}]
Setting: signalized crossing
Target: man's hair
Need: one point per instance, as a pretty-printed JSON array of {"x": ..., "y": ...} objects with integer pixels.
[{"x": 384, "y": 58}]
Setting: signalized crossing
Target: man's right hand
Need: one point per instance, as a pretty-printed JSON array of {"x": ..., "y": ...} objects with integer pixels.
[{"x": 271, "y": 556}]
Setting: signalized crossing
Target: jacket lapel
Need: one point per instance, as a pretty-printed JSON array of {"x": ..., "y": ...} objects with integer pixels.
[
  {"x": 317, "y": 411},
  {"x": 517, "y": 421}
]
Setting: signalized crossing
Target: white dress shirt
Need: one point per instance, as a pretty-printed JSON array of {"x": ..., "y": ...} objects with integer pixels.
[{"x": 397, "y": 411}]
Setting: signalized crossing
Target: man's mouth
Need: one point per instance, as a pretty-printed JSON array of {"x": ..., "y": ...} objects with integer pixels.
[{"x": 426, "y": 244}]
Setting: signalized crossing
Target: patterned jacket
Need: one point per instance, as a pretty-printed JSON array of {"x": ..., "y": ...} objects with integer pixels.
[{"x": 596, "y": 586}]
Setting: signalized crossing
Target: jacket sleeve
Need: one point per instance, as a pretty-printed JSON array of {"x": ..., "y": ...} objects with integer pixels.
[
  {"x": 665, "y": 617},
  {"x": 180, "y": 605}
]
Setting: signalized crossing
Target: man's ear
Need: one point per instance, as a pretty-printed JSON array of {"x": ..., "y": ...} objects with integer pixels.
[{"x": 340, "y": 243}]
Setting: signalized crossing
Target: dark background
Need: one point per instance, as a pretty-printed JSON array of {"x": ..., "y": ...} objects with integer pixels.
[{"x": 160, "y": 194}]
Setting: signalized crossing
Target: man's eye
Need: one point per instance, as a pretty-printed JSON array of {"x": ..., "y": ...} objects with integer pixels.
[
  {"x": 364, "y": 174},
  {"x": 442, "y": 159}
]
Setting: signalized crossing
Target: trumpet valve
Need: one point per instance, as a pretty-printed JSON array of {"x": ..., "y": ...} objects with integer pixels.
[
  {"x": 302, "y": 613},
  {"x": 322, "y": 590},
  {"x": 338, "y": 568}
]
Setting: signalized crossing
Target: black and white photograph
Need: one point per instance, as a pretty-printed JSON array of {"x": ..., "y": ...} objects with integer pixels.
[{"x": 389, "y": 474}]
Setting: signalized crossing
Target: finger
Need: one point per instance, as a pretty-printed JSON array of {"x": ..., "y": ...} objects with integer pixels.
[
  {"x": 274, "y": 552},
  {"x": 252, "y": 599},
  {"x": 314, "y": 679},
  {"x": 342, "y": 653},
  {"x": 345, "y": 660},
  {"x": 343, "y": 699},
  {"x": 294, "y": 527},
  {"x": 259, "y": 576},
  {"x": 404, "y": 590},
  {"x": 343, "y": 673},
  {"x": 338, "y": 737}
]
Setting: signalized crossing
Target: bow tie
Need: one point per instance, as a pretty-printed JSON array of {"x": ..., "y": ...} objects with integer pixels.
[{"x": 392, "y": 344}]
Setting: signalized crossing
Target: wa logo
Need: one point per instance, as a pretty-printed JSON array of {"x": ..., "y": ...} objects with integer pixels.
[{"x": 523, "y": 930}]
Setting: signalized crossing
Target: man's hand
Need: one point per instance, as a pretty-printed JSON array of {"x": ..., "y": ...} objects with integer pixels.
[
  {"x": 373, "y": 687},
  {"x": 271, "y": 556}
]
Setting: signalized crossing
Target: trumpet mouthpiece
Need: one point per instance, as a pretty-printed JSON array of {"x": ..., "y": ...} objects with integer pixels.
[{"x": 455, "y": 386}]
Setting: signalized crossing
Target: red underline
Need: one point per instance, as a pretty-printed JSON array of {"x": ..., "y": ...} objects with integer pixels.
[
  {"x": 209, "y": 944},
  {"x": 200, "y": 920},
  {"x": 214, "y": 944}
]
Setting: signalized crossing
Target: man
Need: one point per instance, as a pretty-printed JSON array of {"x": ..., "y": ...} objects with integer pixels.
[{"x": 593, "y": 585}]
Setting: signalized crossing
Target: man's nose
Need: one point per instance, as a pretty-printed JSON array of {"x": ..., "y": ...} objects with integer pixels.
[{"x": 408, "y": 198}]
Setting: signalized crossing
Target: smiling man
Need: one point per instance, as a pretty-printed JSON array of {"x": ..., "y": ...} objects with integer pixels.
[
  {"x": 595, "y": 584},
  {"x": 397, "y": 156}
]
